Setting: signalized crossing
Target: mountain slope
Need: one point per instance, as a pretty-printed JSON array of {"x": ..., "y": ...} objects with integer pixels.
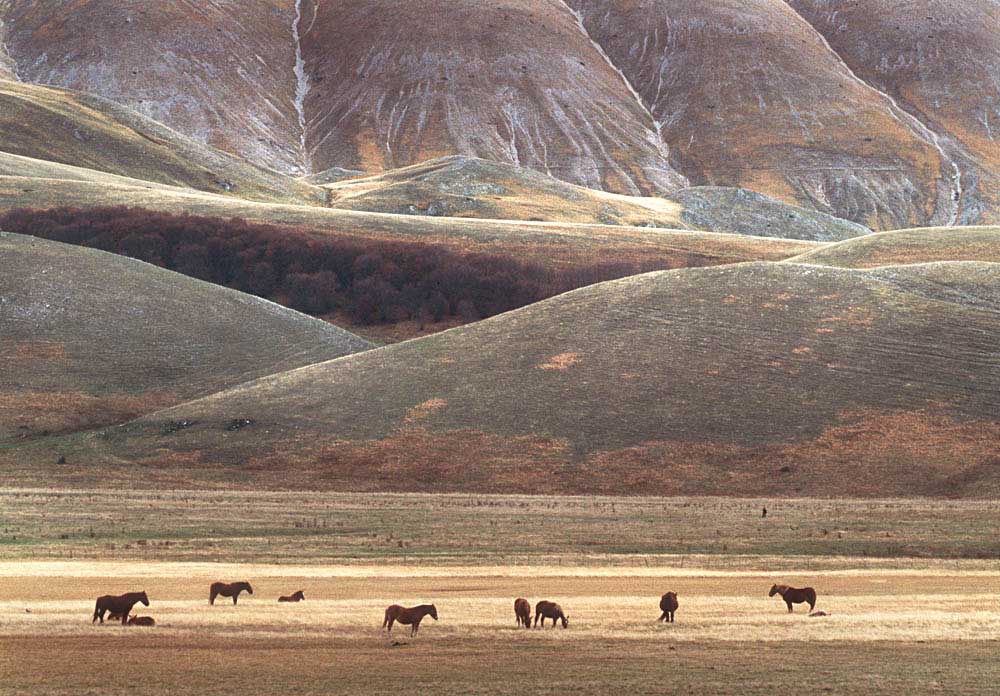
[
  {"x": 750, "y": 96},
  {"x": 819, "y": 381},
  {"x": 222, "y": 72},
  {"x": 83, "y": 131},
  {"x": 91, "y": 338},
  {"x": 515, "y": 81},
  {"x": 940, "y": 61}
]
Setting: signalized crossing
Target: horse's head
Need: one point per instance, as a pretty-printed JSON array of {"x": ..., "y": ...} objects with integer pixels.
[
  {"x": 565, "y": 621},
  {"x": 248, "y": 588},
  {"x": 299, "y": 595},
  {"x": 774, "y": 591},
  {"x": 143, "y": 598},
  {"x": 433, "y": 612}
]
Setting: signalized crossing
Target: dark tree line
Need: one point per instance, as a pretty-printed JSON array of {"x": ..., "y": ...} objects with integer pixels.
[{"x": 369, "y": 280}]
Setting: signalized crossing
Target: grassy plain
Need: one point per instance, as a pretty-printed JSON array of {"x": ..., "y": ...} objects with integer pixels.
[{"x": 912, "y": 589}]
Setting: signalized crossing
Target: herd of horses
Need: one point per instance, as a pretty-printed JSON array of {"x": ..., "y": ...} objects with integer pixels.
[{"x": 119, "y": 607}]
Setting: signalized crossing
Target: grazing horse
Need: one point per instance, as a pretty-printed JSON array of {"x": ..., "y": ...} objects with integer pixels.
[
  {"x": 231, "y": 589},
  {"x": 522, "y": 612},
  {"x": 794, "y": 595},
  {"x": 141, "y": 621},
  {"x": 668, "y": 605},
  {"x": 408, "y": 616},
  {"x": 119, "y": 605},
  {"x": 550, "y": 610},
  {"x": 294, "y": 597}
]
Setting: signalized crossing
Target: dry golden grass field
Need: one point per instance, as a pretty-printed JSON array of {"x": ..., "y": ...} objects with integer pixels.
[{"x": 912, "y": 589}]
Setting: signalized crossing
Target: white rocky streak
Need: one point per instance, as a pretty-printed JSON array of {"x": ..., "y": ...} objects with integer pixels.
[
  {"x": 301, "y": 88},
  {"x": 657, "y": 125},
  {"x": 911, "y": 121},
  {"x": 6, "y": 60}
]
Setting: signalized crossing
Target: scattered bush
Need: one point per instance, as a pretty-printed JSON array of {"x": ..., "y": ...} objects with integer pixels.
[{"x": 371, "y": 281}]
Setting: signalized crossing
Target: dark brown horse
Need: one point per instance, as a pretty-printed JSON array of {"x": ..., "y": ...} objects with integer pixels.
[
  {"x": 228, "y": 589},
  {"x": 522, "y": 612},
  {"x": 120, "y": 605},
  {"x": 550, "y": 610},
  {"x": 668, "y": 605},
  {"x": 408, "y": 616},
  {"x": 794, "y": 595},
  {"x": 141, "y": 621},
  {"x": 294, "y": 597}
]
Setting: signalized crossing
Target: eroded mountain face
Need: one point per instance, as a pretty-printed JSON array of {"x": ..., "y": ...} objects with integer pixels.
[
  {"x": 219, "y": 71},
  {"x": 940, "y": 61},
  {"x": 882, "y": 114},
  {"x": 394, "y": 84},
  {"x": 750, "y": 96}
]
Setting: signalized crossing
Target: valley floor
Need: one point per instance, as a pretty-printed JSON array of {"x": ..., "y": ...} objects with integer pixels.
[{"x": 923, "y": 621}]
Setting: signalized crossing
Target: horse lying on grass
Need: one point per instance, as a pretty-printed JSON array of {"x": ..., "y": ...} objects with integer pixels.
[
  {"x": 141, "y": 621},
  {"x": 294, "y": 597}
]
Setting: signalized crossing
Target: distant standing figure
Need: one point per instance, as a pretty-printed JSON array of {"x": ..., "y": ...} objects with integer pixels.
[
  {"x": 522, "y": 612},
  {"x": 550, "y": 610},
  {"x": 763, "y": 513},
  {"x": 794, "y": 595},
  {"x": 228, "y": 589},
  {"x": 668, "y": 605},
  {"x": 294, "y": 597}
]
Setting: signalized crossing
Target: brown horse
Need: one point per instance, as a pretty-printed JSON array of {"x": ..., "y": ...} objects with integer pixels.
[
  {"x": 141, "y": 621},
  {"x": 668, "y": 605},
  {"x": 794, "y": 595},
  {"x": 294, "y": 597},
  {"x": 408, "y": 616},
  {"x": 119, "y": 605},
  {"x": 522, "y": 612},
  {"x": 550, "y": 610},
  {"x": 230, "y": 589}
]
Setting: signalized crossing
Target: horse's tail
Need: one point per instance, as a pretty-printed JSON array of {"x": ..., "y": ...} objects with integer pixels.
[
  {"x": 212, "y": 594},
  {"x": 811, "y": 596},
  {"x": 97, "y": 610},
  {"x": 385, "y": 621}
]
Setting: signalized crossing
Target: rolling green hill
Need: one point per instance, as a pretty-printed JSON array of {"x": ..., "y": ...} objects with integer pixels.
[
  {"x": 90, "y": 338},
  {"x": 923, "y": 245},
  {"x": 750, "y": 379}
]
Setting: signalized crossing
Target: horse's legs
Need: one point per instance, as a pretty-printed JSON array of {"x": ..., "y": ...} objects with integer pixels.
[
  {"x": 234, "y": 598},
  {"x": 663, "y": 617},
  {"x": 671, "y": 617},
  {"x": 789, "y": 606},
  {"x": 211, "y": 597},
  {"x": 391, "y": 622},
  {"x": 415, "y": 628},
  {"x": 125, "y": 616}
]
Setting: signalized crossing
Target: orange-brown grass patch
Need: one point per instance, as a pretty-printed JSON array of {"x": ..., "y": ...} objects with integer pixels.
[{"x": 563, "y": 361}]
